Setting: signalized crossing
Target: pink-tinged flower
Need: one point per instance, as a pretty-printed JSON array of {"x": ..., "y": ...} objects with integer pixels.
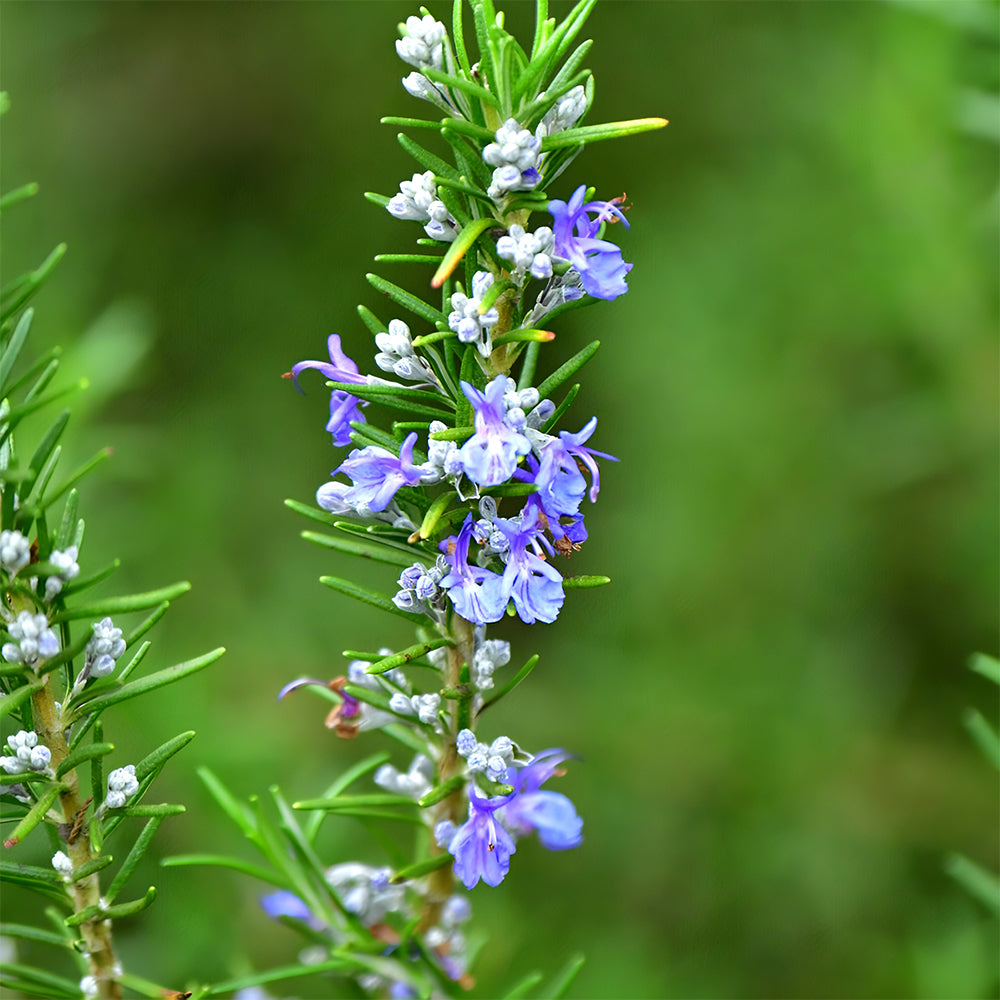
[{"x": 598, "y": 262}]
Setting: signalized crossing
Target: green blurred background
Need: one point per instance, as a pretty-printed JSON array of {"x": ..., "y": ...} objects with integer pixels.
[{"x": 801, "y": 385}]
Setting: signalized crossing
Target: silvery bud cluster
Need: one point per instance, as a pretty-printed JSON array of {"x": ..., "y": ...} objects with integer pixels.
[
  {"x": 565, "y": 113},
  {"x": 365, "y": 891},
  {"x": 396, "y": 354},
  {"x": 417, "y": 199},
  {"x": 66, "y": 568},
  {"x": 447, "y": 938},
  {"x": 422, "y": 44},
  {"x": 528, "y": 251},
  {"x": 63, "y": 865},
  {"x": 419, "y": 589},
  {"x": 424, "y": 706},
  {"x": 33, "y": 639},
  {"x": 15, "y": 551},
  {"x": 491, "y": 760},
  {"x": 445, "y": 459},
  {"x": 514, "y": 155},
  {"x": 29, "y": 754},
  {"x": 471, "y": 325},
  {"x": 368, "y": 716},
  {"x": 122, "y": 785},
  {"x": 416, "y": 783},
  {"x": 103, "y": 649},
  {"x": 488, "y": 656}
]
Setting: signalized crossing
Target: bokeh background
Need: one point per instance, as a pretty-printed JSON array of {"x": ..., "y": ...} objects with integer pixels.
[{"x": 802, "y": 388}]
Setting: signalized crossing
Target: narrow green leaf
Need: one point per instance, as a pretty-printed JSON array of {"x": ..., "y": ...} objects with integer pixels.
[
  {"x": 365, "y": 596},
  {"x": 112, "y": 912},
  {"x": 984, "y": 735},
  {"x": 223, "y": 861},
  {"x": 524, "y": 336},
  {"x": 407, "y": 300},
  {"x": 404, "y": 656},
  {"x": 510, "y": 685},
  {"x": 35, "y": 814},
  {"x": 563, "y": 979},
  {"x": 25, "y": 933},
  {"x": 409, "y": 122},
  {"x": 442, "y": 791},
  {"x": 33, "y": 281},
  {"x": 363, "y": 550},
  {"x": 465, "y": 239},
  {"x": 407, "y": 258},
  {"x": 235, "y": 810},
  {"x": 458, "y": 37},
  {"x": 28, "y": 876},
  {"x": 146, "y": 624},
  {"x": 377, "y": 199},
  {"x": 387, "y": 393},
  {"x": 594, "y": 133},
  {"x": 977, "y": 881},
  {"x": 13, "y": 349},
  {"x": 108, "y": 697},
  {"x": 988, "y": 666},
  {"x": 18, "y": 194},
  {"x": 562, "y": 408},
  {"x": 123, "y": 605},
  {"x": 275, "y": 975},
  {"x": 427, "y": 159},
  {"x": 523, "y": 986},
  {"x": 153, "y": 762},
  {"x": 77, "y": 757},
  {"x": 19, "y": 696},
  {"x": 422, "y": 868},
  {"x": 76, "y": 475},
  {"x": 566, "y": 371},
  {"x": 133, "y": 858},
  {"x": 585, "y": 581},
  {"x": 340, "y": 803},
  {"x": 91, "y": 867},
  {"x": 465, "y": 86},
  {"x": 34, "y": 982}
]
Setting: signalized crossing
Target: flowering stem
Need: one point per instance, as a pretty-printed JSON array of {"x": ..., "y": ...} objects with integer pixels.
[
  {"x": 86, "y": 892},
  {"x": 440, "y": 882}
]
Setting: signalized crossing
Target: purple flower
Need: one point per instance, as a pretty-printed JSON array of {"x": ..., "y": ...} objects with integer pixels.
[
  {"x": 287, "y": 904},
  {"x": 560, "y": 482},
  {"x": 477, "y": 593},
  {"x": 490, "y": 456},
  {"x": 550, "y": 814},
  {"x": 598, "y": 262},
  {"x": 534, "y": 585},
  {"x": 343, "y": 406},
  {"x": 377, "y": 474},
  {"x": 481, "y": 847}
]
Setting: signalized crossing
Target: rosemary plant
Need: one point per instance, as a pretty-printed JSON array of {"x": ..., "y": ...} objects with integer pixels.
[
  {"x": 65, "y": 662},
  {"x": 472, "y": 497}
]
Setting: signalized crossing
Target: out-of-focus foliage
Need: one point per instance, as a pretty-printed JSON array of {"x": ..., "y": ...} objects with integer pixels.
[{"x": 801, "y": 385}]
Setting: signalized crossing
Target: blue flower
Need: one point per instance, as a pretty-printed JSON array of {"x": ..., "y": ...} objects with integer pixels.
[
  {"x": 534, "y": 585},
  {"x": 598, "y": 262},
  {"x": 550, "y": 814},
  {"x": 490, "y": 456},
  {"x": 377, "y": 474},
  {"x": 477, "y": 593},
  {"x": 343, "y": 406},
  {"x": 481, "y": 847}
]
